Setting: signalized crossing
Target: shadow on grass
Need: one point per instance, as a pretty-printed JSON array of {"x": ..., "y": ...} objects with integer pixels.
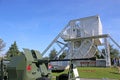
[{"x": 115, "y": 73}]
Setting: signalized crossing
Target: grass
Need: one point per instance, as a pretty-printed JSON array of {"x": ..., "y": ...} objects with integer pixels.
[{"x": 95, "y": 72}]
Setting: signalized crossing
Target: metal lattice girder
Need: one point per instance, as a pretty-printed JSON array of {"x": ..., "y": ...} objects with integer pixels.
[
  {"x": 91, "y": 37},
  {"x": 54, "y": 41}
]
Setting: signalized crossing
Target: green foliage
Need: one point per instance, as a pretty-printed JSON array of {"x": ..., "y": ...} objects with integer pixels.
[
  {"x": 2, "y": 45},
  {"x": 98, "y": 56},
  {"x": 52, "y": 54},
  {"x": 13, "y": 51},
  {"x": 113, "y": 51},
  {"x": 63, "y": 55}
]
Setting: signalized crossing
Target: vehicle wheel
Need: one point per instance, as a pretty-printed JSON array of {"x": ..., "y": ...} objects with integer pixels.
[
  {"x": 43, "y": 78},
  {"x": 63, "y": 77},
  {"x": 0, "y": 78},
  {"x": 5, "y": 77}
]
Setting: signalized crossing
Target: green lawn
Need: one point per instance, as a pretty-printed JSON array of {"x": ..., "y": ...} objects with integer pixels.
[{"x": 95, "y": 72}]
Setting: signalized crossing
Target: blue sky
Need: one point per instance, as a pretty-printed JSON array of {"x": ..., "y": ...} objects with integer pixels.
[{"x": 34, "y": 23}]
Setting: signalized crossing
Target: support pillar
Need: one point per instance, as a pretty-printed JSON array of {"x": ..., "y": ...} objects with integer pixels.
[{"x": 107, "y": 52}]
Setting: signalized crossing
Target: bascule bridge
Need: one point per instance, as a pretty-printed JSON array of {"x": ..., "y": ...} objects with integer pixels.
[{"x": 82, "y": 38}]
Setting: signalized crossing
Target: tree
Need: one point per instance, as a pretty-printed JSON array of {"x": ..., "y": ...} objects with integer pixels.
[
  {"x": 99, "y": 56},
  {"x": 13, "y": 50},
  {"x": 52, "y": 54},
  {"x": 113, "y": 51},
  {"x": 2, "y": 45},
  {"x": 63, "y": 55}
]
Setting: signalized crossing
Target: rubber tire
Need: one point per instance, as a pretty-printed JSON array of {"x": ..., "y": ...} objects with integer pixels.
[
  {"x": 43, "y": 78},
  {"x": 63, "y": 77}
]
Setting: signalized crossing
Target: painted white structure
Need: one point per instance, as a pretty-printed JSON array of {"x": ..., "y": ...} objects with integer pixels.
[
  {"x": 83, "y": 27},
  {"x": 89, "y": 28},
  {"x": 80, "y": 28}
]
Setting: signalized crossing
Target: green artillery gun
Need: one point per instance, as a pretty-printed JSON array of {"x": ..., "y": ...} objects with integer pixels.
[
  {"x": 23, "y": 67},
  {"x": 31, "y": 66}
]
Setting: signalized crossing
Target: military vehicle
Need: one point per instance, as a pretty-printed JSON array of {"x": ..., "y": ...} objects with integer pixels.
[
  {"x": 31, "y": 66},
  {"x": 25, "y": 67}
]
